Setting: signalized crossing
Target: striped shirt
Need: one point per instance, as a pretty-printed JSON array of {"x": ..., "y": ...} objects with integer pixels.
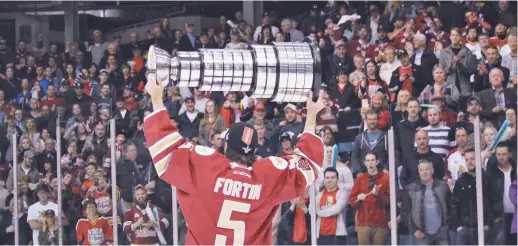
[{"x": 438, "y": 139}]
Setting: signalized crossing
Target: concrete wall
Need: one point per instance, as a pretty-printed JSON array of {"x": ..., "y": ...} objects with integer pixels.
[{"x": 38, "y": 24}]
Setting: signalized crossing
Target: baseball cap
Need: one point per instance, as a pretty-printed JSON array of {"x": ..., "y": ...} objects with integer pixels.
[
  {"x": 474, "y": 98},
  {"x": 259, "y": 107},
  {"x": 265, "y": 14},
  {"x": 290, "y": 106},
  {"x": 285, "y": 137},
  {"x": 50, "y": 212},
  {"x": 78, "y": 84},
  {"x": 29, "y": 153},
  {"x": 190, "y": 98},
  {"x": 401, "y": 53},
  {"x": 103, "y": 71},
  {"x": 242, "y": 138},
  {"x": 315, "y": 7},
  {"x": 189, "y": 24}
]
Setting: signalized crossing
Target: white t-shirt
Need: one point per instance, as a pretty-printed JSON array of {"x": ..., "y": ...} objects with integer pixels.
[
  {"x": 508, "y": 205},
  {"x": 455, "y": 161},
  {"x": 37, "y": 212}
]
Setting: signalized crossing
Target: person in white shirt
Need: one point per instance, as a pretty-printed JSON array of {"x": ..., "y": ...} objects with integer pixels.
[
  {"x": 235, "y": 42},
  {"x": 455, "y": 160},
  {"x": 391, "y": 64},
  {"x": 200, "y": 102},
  {"x": 265, "y": 21},
  {"x": 35, "y": 215},
  {"x": 472, "y": 42}
]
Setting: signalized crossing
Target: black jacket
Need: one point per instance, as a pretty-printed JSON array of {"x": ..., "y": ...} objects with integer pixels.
[
  {"x": 186, "y": 45},
  {"x": 494, "y": 184},
  {"x": 44, "y": 157},
  {"x": 464, "y": 202},
  {"x": 333, "y": 64},
  {"x": 419, "y": 84},
  {"x": 404, "y": 133},
  {"x": 488, "y": 101},
  {"x": 482, "y": 81},
  {"x": 189, "y": 129},
  {"x": 428, "y": 61},
  {"x": 409, "y": 172},
  {"x": 129, "y": 174},
  {"x": 347, "y": 98},
  {"x": 348, "y": 124}
]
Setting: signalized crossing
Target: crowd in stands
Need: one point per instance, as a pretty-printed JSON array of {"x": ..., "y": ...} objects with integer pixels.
[{"x": 426, "y": 69}]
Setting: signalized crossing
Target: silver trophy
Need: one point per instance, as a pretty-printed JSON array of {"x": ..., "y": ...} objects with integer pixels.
[{"x": 282, "y": 72}]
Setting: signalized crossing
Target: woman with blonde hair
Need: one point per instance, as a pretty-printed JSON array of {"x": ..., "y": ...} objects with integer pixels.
[
  {"x": 49, "y": 234},
  {"x": 399, "y": 113},
  {"x": 24, "y": 145},
  {"x": 211, "y": 123},
  {"x": 31, "y": 132},
  {"x": 488, "y": 135}
]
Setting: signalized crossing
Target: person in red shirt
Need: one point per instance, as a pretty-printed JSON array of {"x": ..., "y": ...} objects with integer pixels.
[
  {"x": 242, "y": 191},
  {"x": 94, "y": 229},
  {"x": 371, "y": 197},
  {"x": 142, "y": 229},
  {"x": 51, "y": 99},
  {"x": 299, "y": 214},
  {"x": 362, "y": 45},
  {"x": 408, "y": 77},
  {"x": 500, "y": 38},
  {"x": 228, "y": 110}
]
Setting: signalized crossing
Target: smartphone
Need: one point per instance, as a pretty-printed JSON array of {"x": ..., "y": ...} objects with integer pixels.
[
  {"x": 96, "y": 181},
  {"x": 447, "y": 92}
]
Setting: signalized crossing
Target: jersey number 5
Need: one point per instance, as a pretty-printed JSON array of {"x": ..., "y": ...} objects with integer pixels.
[{"x": 225, "y": 222}]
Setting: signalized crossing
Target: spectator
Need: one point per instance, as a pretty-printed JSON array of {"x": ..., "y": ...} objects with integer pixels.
[
  {"x": 455, "y": 160},
  {"x": 370, "y": 196},
  {"x": 424, "y": 58},
  {"x": 287, "y": 146},
  {"x": 98, "y": 48},
  {"x": 138, "y": 217},
  {"x": 379, "y": 105},
  {"x": 35, "y": 216},
  {"x": 409, "y": 171},
  {"x": 472, "y": 42},
  {"x": 96, "y": 144},
  {"x": 330, "y": 209},
  {"x": 372, "y": 140},
  {"x": 291, "y": 34},
  {"x": 405, "y": 129},
  {"x": 498, "y": 178},
  {"x": 211, "y": 123},
  {"x": 122, "y": 116},
  {"x": 265, "y": 22},
  {"x": 358, "y": 75},
  {"x": 464, "y": 203},
  {"x": 337, "y": 62},
  {"x": 48, "y": 155},
  {"x": 438, "y": 133},
  {"x": 205, "y": 42},
  {"x": 25, "y": 169},
  {"x": 399, "y": 113},
  {"x": 344, "y": 92},
  {"x": 447, "y": 116},
  {"x": 509, "y": 60},
  {"x": 458, "y": 64},
  {"x": 390, "y": 65},
  {"x": 289, "y": 126},
  {"x": 11, "y": 86},
  {"x": 482, "y": 78},
  {"x": 362, "y": 45},
  {"x": 189, "y": 41},
  {"x": 7, "y": 226},
  {"x": 500, "y": 38},
  {"x": 426, "y": 207},
  {"x": 49, "y": 234},
  {"x": 512, "y": 196},
  {"x": 199, "y": 98},
  {"x": 94, "y": 229},
  {"x": 264, "y": 148},
  {"x": 496, "y": 99},
  {"x": 130, "y": 173},
  {"x": 372, "y": 82},
  {"x": 101, "y": 193},
  {"x": 235, "y": 40},
  {"x": 190, "y": 120},
  {"x": 438, "y": 38},
  {"x": 407, "y": 77}
]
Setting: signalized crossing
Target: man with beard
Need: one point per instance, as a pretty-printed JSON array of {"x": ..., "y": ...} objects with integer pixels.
[
  {"x": 337, "y": 62},
  {"x": 380, "y": 45},
  {"x": 142, "y": 229},
  {"x": 438, "y": 38},
  {"x": 21, "y": 55},
  {"x": 362, "y": 45},
  {"x": 290, "y": 126},
  {"x": 500, "y": 38}
]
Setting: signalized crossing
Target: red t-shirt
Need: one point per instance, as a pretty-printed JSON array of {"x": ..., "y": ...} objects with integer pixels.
[
  {"x": 223, "y": 202},
  {"x": 97, "y": 233},
  {"x": 328, "y": 224}
]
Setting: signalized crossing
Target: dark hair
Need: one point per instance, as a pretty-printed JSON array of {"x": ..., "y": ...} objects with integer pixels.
[
  {"x": 413, "y": 99},
  {"x": 492, "y": 47},
  {"x": 332, "y": 170},
  {"x": 233, "y": 156},
  {"x": 469, "y": 150},
  {"x": 502, "y": 145},
  {"x": 372, "y": 153},
  {"x": 323, "y": 132}
]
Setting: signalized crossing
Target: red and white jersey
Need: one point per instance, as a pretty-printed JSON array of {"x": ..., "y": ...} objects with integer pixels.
[
  {"x": 103, "y": 200},
  {"x": 222, "y": 202},
  {"x": 93, "y": 234},
  {"x": 143, "y": 235}
]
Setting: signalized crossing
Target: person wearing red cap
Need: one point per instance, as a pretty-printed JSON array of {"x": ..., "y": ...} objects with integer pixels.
[{"x": 242, "y": 191}]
